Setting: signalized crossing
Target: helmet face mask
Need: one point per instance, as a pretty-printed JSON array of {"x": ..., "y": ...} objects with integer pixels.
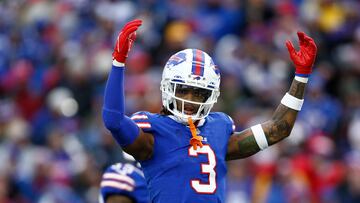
[
  {"x": 198, "y": 94},
  {"x": 190, "y": 84}
]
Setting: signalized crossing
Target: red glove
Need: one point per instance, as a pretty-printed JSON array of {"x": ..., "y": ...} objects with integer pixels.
[
  {"x": 125, "y": 40},
  {"x": 303, "y": 59}
]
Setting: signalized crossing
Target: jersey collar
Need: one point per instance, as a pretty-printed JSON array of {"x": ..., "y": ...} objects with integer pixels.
[{"x": 201, "y": 122}]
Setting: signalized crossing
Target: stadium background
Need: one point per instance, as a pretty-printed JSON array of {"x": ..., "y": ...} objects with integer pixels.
[{"x": 54, "y": 59}]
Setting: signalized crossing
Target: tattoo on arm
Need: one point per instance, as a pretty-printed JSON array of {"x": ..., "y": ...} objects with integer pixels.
[
  {"x": 243, "y": 144},
  {"x": 297, "y": 89},
  {"x": 282, "y": 121}
]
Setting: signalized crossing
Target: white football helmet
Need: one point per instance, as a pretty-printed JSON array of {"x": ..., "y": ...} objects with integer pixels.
[{"x": 195, "y": 69}]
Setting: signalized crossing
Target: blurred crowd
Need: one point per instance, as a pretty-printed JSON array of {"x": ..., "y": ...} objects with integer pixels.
[{"x": 54, "y": 60}]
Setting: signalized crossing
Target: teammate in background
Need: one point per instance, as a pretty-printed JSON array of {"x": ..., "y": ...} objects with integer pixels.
[
  {"x": 124, "y": 183},
  {"x": 183, "y": 150}
]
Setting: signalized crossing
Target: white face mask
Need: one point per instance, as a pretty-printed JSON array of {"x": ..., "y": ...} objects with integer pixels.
[{"x": 187, "y": 101}]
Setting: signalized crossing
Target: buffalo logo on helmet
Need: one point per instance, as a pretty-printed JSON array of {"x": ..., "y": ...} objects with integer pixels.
[{"x": 176, "y": 59}]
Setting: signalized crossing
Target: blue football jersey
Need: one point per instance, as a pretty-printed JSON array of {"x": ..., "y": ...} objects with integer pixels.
[
  {"x": 178, "y": 173},
  {"x": 124, "y": 179}
]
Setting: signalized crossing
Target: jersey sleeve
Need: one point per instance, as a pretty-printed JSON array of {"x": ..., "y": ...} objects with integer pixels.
[
  {"x": 143, "y": 120},
  {"x": 114, "y": 183},
  {"x": 230, "y": 126}
]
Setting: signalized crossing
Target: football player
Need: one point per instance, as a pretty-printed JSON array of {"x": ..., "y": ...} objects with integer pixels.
[
  {"x": 183, "y": 150},
  {"x": 124, "y": 183}
]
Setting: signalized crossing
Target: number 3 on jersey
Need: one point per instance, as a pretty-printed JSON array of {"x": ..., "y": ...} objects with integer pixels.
[{"x": 208, "y": 168}]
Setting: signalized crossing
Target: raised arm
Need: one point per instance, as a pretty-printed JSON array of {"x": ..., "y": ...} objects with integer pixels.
[
  {"x": 258, "y": 137},
  {"x": 127, "y": 134}
]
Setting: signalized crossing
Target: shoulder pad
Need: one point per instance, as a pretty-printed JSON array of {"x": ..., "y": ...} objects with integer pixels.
[{"x": 143, "y": 120}]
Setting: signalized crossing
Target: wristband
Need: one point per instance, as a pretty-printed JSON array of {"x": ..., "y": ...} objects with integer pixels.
[
  {"x": 301, "y": 79},
  {"x": 118, "y": 64},
  {"x": 292, "y": 102},
  {"x": 259, "y": 136}
]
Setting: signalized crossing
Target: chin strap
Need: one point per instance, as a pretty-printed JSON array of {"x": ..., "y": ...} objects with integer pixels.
[{"x": 196, "y": 139}]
